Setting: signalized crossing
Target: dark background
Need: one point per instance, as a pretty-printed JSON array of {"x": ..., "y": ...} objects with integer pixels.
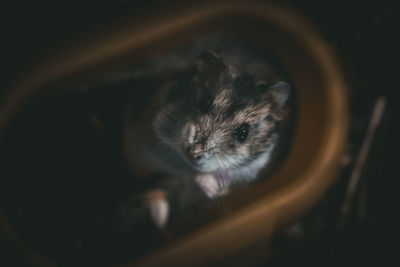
[{"x": 364, "y": 35}]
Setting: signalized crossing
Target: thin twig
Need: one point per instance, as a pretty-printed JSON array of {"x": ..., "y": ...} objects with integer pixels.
[{"x": 355, "y": 176}]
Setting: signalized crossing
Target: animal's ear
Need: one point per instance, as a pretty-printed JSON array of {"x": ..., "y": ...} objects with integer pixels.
[
  {"x": 279, "y": 91},
  {"x": 210, "y": 68}
]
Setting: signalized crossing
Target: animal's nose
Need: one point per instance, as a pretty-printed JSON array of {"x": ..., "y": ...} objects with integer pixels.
[{"x": 195, "y": 152}]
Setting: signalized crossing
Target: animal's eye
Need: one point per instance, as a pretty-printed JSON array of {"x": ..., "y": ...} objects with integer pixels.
[{"x": 241, "y": 132}]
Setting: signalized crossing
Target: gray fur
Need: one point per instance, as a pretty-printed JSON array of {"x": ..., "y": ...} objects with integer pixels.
[{"x": 194, "y": 115}]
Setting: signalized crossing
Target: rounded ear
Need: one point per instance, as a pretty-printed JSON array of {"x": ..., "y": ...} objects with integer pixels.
[
  {"x": 210, "y": 67},
  {"x": 279, "y": 91}
]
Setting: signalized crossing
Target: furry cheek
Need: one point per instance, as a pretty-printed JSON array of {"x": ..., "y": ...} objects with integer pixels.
[{"x": 189, "y": 133}]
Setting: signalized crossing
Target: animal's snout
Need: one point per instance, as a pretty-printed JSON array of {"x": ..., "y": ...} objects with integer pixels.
[{"x": 195, "y": 152}]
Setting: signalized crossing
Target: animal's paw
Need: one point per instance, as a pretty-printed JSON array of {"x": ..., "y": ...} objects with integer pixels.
[
  {"x": 209, "y": 184},
  {"x": 159, "y": 207}
]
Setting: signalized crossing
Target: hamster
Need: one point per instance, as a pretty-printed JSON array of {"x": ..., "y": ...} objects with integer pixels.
[{"x": 212, "y": 124}]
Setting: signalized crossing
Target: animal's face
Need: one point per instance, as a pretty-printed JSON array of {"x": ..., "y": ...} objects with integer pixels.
[{"x": 230, "y": 118}]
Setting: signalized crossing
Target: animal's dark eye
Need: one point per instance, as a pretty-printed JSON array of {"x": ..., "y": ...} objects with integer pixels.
[{"x": 241, "y": 132}]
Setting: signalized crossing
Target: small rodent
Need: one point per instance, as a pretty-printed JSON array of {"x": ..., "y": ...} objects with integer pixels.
[{"x": 212, "y": 123}]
